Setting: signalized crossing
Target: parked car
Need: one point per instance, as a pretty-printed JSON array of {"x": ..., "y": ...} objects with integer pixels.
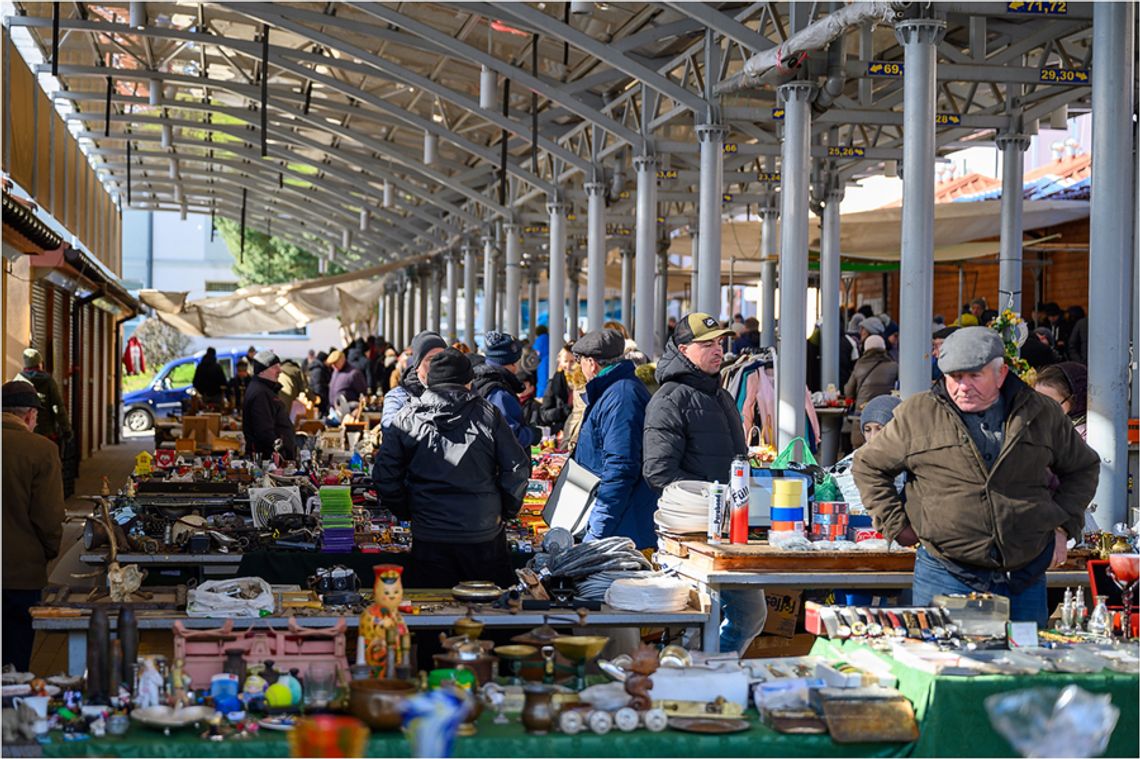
[{"x": 169, "y": 387}]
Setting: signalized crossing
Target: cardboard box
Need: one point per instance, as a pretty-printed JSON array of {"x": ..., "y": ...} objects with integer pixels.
[
  {"x": 783, "y": 612},
  {"x": 768, "y": 646}
]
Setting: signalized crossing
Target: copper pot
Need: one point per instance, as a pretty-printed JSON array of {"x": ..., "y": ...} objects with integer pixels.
[
  {"x": 538, "y": 710},
  {"x": 378, "y": 702}
]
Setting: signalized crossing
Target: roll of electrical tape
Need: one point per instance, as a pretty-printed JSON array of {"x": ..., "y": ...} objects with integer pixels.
[
  {"x": 788, "y": 487},
  {"x": 787, "y": 514},
  {"x": 787, "y": 527}
]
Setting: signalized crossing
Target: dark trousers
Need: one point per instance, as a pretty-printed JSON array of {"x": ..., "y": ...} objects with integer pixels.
[
  {"x": 444, "y": 565},
  {"x": 18, "y": 634}
]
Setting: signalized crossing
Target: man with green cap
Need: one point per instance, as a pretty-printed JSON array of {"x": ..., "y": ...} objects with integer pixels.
[
  {"x": 53, "y": 422},
  {"x": 693, "y": 430}
]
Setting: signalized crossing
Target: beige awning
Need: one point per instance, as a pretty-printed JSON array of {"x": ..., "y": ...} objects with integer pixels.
[
  {"x": 351, "y": 297},
  {"x": 961, "y": 231}
]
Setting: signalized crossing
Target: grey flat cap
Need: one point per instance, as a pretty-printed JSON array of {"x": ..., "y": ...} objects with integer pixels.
[
  {"x": 600, "y": 344},
  {"x": 874, "y": 325},
  {"x": 969, "y": 349}
]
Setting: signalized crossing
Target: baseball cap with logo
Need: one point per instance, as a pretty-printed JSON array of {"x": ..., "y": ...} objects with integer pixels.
[{"x": 699, "y": 328}]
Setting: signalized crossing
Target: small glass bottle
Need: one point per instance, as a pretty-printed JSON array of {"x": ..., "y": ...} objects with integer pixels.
[
  {"x": 1067, "y": 611},
  {"x": 1100, "y": 623}
]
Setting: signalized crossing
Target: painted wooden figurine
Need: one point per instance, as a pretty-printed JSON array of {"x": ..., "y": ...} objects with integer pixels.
[{"x": 384, "y": 637}]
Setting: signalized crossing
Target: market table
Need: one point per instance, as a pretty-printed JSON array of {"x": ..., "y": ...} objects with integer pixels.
[
  {"x": 499, "y": 740},
  {"x": 437, "y": 619},
  {"x": 951, "y": 709},
  {"x": 715, "y": 567}
]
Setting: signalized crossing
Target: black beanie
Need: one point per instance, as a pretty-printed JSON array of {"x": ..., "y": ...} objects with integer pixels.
[{"x": 449, "y": 367}]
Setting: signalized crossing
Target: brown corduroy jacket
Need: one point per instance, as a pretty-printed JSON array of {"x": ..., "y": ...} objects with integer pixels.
[
  {"x": 1001, "y": 518},
  {"x": 32, "y": 508}
]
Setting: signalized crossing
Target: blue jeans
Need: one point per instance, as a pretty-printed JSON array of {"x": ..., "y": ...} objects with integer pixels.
[
  {"x": 931, "y": 578},
  {"x": 744, "y": 612}
]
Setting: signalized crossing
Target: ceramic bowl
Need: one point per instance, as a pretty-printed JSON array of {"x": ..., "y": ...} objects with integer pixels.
[
  {"x": 377, "y": 703},
  {"x": 166, "y": 718}
]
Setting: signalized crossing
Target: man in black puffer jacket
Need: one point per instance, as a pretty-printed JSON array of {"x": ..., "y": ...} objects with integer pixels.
[
  {"x": 692, "y": 432},
  {"x": 692, "y": 427},
  {"x": 450, "y": 463}
]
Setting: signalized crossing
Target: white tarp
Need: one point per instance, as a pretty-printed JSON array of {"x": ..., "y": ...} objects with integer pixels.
[
  {"x": 961, "y": 231},
  {"x": 351, "y": 297}
]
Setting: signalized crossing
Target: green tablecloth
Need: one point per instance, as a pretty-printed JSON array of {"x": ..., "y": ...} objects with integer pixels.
[
  {"x": 952, "y": 715},
  {"x": 497, "y": 740}
]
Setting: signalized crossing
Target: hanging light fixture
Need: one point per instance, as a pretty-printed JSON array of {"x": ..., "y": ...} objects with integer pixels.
[
  {"x": 387, "y": 194},
  {"x": 431, "y": 143},
  {"x": 177, "y": 193},
  {"x": 1059, "y": 119},
  {"x": 167, "y": 136},
  {"x": 890, "y": 168},
  {"x": 137, "y": 13},
  {"x": 487, "y": 85},
  {"x": 345, "y": 239},
  {"x": 364, "y": 219},
  {"x": 154, "y": 96},
  {"x": 581, "y": 8},
  {"x": 182, "y": 211},
  {"x": 173, "y": 168}
]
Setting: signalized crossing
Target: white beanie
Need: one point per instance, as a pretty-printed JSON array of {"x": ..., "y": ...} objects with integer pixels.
[{"x": 874, "y": 342}]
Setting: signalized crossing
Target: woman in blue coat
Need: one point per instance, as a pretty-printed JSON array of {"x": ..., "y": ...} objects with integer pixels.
[{"x": 609, "y": 444}]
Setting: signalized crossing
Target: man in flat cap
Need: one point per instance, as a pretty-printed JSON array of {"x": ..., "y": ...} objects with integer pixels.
[
  {"x": 609, "y": 444},
  {"x": 32, "y": 517},
  {"x": 52, "y": 421},
  {"x": 264, "y": 418},
  {"x": 976, "y": 449}
]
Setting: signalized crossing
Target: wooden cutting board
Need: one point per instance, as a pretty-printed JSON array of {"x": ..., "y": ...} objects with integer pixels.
[{"x": 761, "y": 557}]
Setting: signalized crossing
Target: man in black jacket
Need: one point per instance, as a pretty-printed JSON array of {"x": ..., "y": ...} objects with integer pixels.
[
  {"x": 450, "y": 463},
  {"x": 319, "y": 375},
  {"x": 692, "y": 432},
  {"x": 692, "y": 427},
  {"x": 264, "y": 419}
]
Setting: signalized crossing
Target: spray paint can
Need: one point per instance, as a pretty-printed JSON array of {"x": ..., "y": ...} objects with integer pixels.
[
  {"x": 716, "y": 513},
  {"x": 739, "y": 497}
]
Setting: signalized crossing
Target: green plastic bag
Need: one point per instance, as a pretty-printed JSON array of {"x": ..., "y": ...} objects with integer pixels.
[{"x": 784, "y": 460}]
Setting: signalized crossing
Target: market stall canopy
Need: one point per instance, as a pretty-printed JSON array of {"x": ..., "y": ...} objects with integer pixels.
[
  {"x": 962, "y": 231},
  {"x": 351, "y": 297}
]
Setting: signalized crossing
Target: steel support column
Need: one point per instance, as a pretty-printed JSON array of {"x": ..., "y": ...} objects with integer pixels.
[
  {"x": 711, "y": 198},
  {"x": 452, "y": 297},
  {"x": 436, "y": 320},
  {"x": 500, "y": 291},
  {"x": 557, "y": 281},
  {"x": 627, "y": 288},
  {"x": 646, "y": 261},
  {"x": 1012, "y": 147},
  {"x": 595, "y": 255},
  {"x": 532, "y": 302},
  {"x": 768, "y": 218},
  {"x": 489, "y": 271},
  {"x": 661, "y": 302},
  {"x": 694, "y": 278},
  {"x": 470, "y": 279},
  {"x": 410, "y": 311},
  {"x": 829, "y": 290},
  {"x": 1111, "y": 225},
  {"x": 574, "y": 266},
  {"x": 791, "y": 374},
  {"x": 513, "y": 277},
  {"x": 919, "y": 38}
]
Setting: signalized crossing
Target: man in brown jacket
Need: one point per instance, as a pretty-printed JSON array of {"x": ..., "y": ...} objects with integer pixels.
[
  {"x": 32, "y": 517},
  {"x": 977, "y": 449}
]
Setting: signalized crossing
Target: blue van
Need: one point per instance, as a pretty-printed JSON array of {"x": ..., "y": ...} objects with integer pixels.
[{"x": 170, "y": 386}]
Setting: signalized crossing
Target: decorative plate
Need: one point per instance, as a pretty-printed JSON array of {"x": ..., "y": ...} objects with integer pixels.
[
  {"x": 280, "y": 724},
  {"x": 708, "y": 726}
]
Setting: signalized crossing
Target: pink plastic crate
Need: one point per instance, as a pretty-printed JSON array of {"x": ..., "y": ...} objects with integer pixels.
[{"x": 204, "y": 651}]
